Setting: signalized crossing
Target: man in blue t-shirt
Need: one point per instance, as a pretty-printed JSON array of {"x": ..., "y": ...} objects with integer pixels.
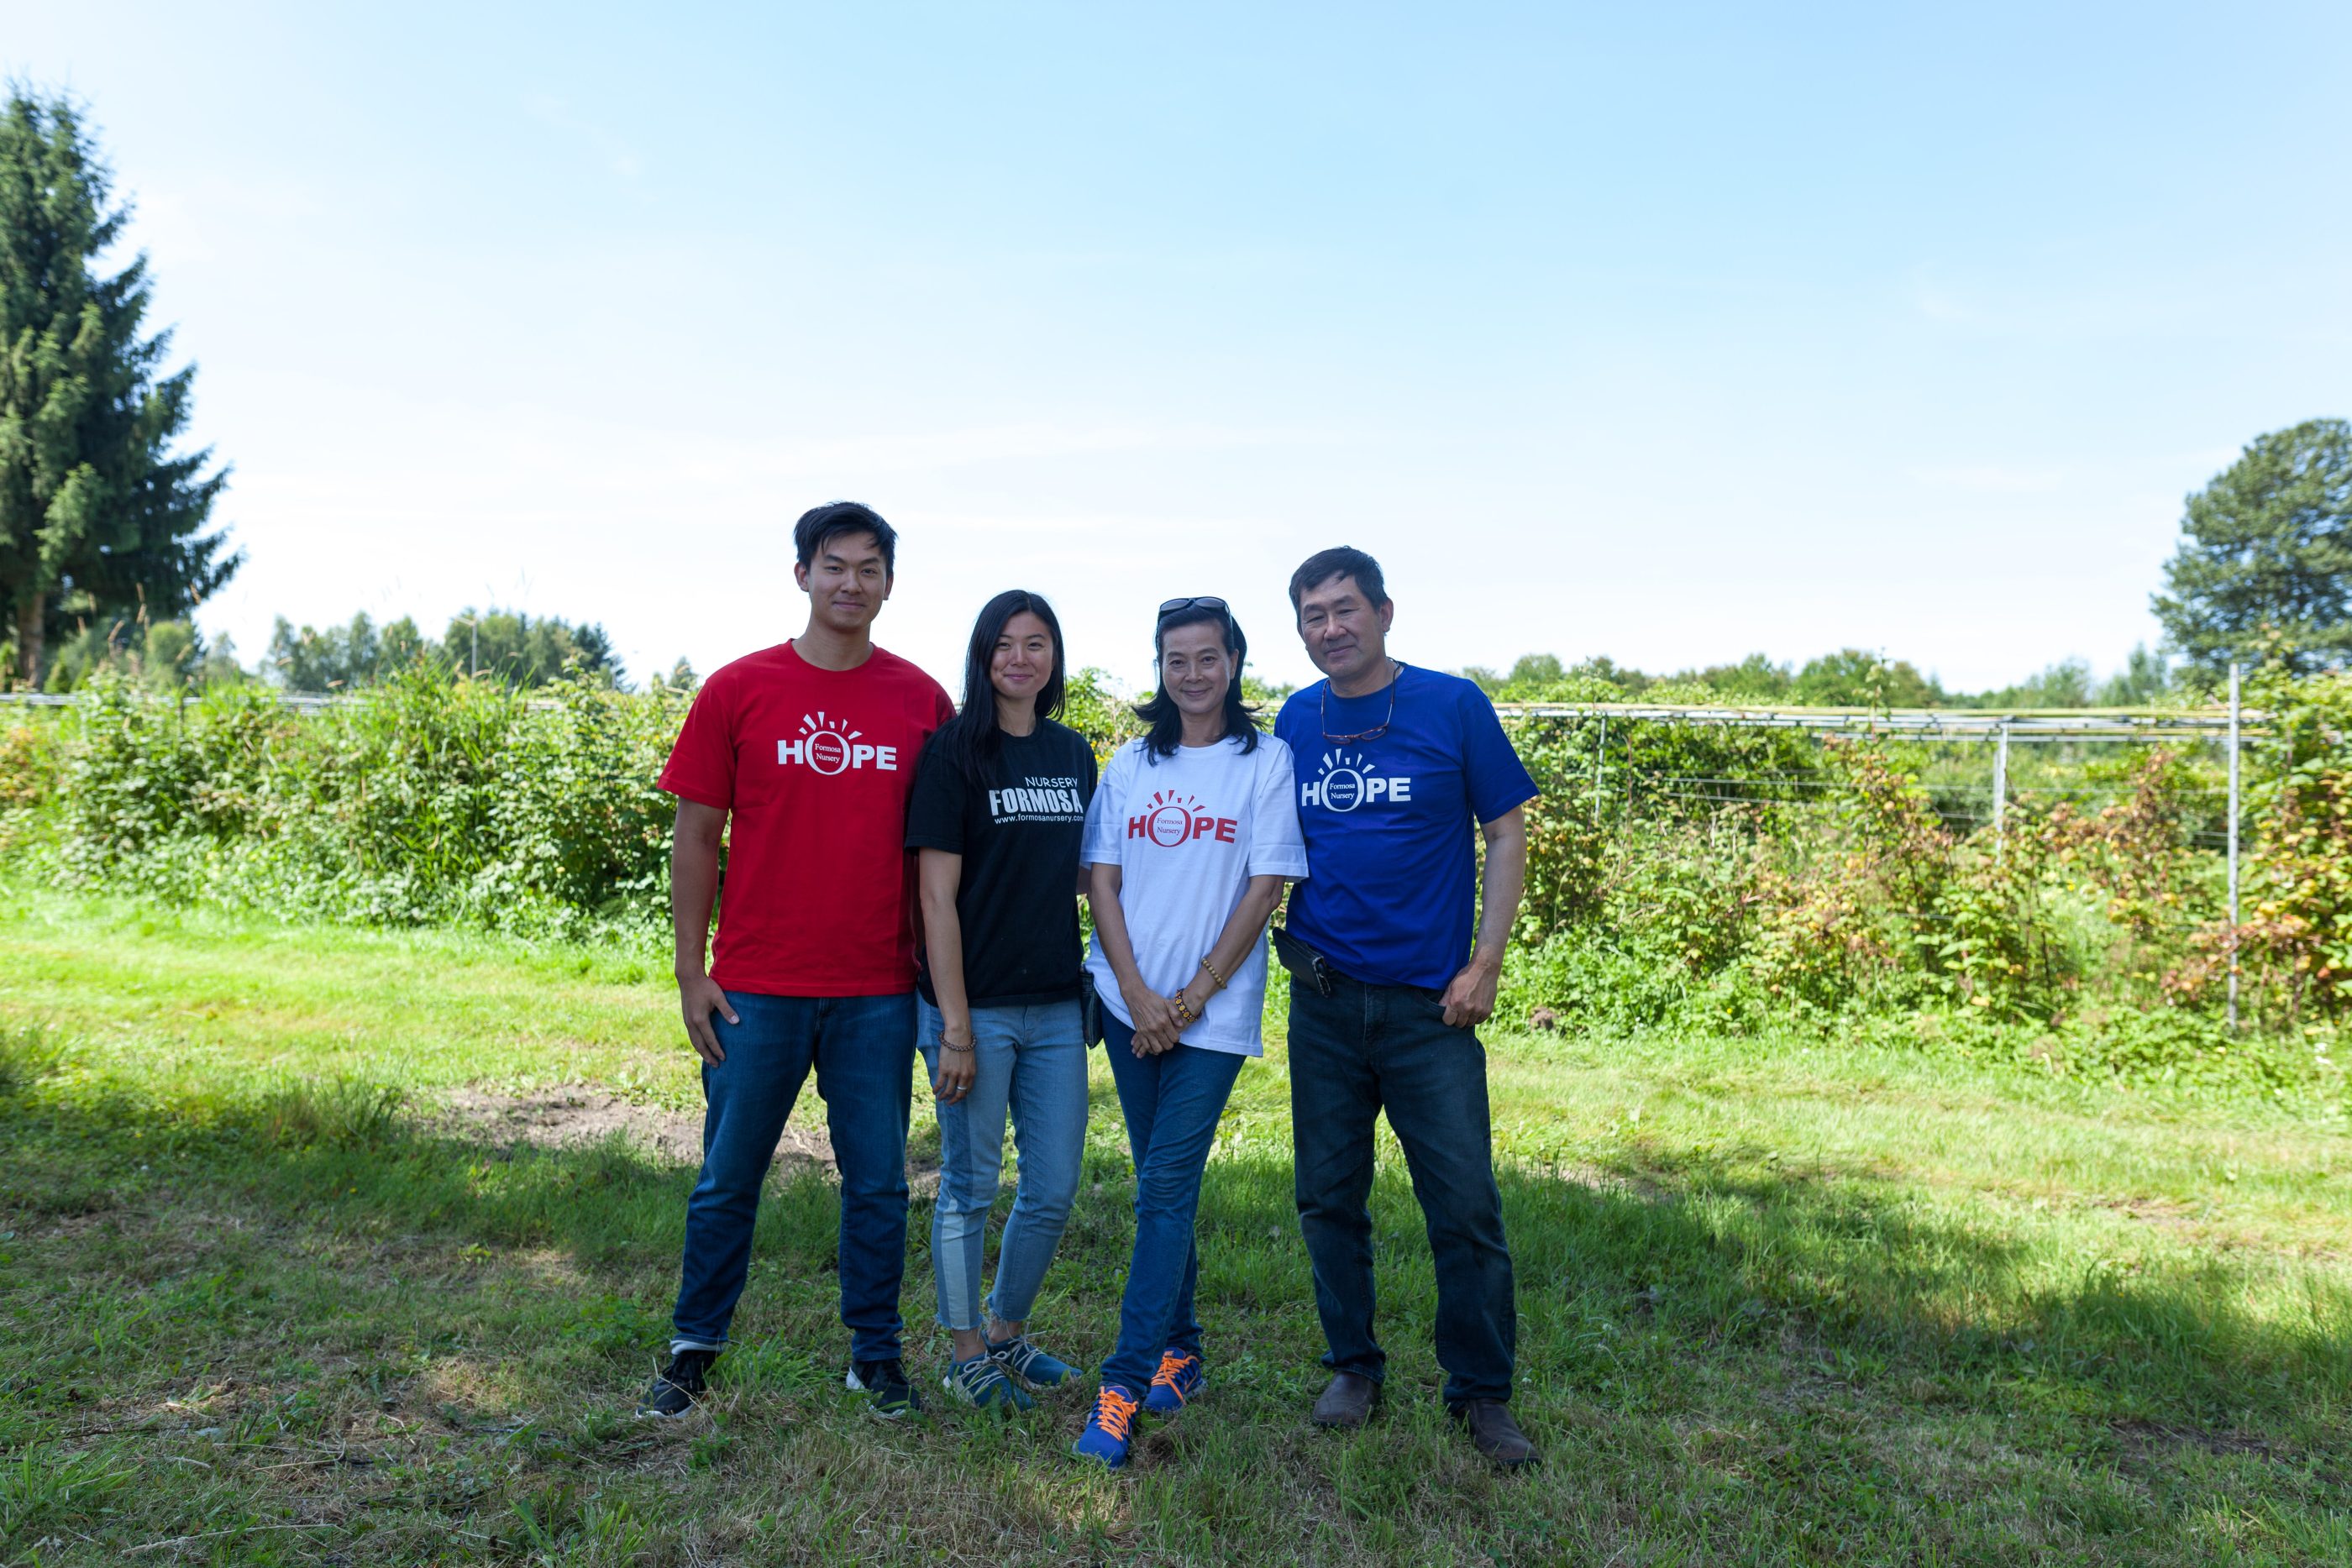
[{"x": 1387, "y": 985}]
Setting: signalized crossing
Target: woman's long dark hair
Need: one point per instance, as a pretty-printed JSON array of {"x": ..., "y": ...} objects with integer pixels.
[
  {"x": 973, "y": 739},
  {"x": 1165, "y": 719}
]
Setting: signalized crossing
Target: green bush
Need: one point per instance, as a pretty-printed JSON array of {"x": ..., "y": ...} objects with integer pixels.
[
  {"x": 420, "y": 799},
  {"x": 1677, "y": 871}
]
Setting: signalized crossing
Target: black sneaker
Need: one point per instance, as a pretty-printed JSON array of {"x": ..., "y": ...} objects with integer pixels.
[
  {"x": 676, "y": 1387},
  {"x": 888, "y": 1392}
]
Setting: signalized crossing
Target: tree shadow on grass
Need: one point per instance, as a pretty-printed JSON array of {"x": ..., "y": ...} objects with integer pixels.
[
  {"x": 1865, "y": 1276},
  {"x": 1848, "y": 1273},
  {"x": 490, "y": 1280},
  {"x": 1844, "y": 1276}
]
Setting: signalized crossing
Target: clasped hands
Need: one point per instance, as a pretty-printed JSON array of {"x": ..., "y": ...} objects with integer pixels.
[{"x": 1157, "y": 1019}]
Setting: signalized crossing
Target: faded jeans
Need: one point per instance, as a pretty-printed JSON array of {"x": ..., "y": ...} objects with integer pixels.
[{"x": 1028, "y": 1060}]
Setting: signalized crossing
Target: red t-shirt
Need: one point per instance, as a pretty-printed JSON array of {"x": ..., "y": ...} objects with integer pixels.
[{"x": 815, "y": 766}]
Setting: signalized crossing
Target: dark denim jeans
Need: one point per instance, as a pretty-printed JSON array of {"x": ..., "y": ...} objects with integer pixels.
[
  {"x": 1353, "y": 1054},
  {"x": 863, "y": 1049},
  {"x": 1172, "y": 1103}
]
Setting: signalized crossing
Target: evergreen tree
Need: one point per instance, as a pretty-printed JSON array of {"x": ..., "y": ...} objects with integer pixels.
[
  {"x": 2266, "y": 554},
  {"x": 100, "y": 520},
  {"x": 1854, "y": 677},
  {"x": 2066, "y": 683},
  {"x": 1755, "y": 678},
  {"x": 2146, "y": 676},
  {"x": 343, "y": 657},
  {"x": 516, "y": 650}
]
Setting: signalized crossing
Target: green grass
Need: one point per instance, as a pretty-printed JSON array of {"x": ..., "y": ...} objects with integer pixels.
[{"x": 1781, "y": 1300}]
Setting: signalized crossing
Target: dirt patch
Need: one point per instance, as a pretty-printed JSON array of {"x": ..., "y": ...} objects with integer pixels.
[
  {"x": 553, "y": 1118},
  {"x": 2162, "y": 1212},
  {"x": 2148, "y": 1436}
]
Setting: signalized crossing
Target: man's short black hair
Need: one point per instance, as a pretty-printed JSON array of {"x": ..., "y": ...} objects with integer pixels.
[
  {"x": 1344, "y": 560},
  {"x": 821, "y": 525}
]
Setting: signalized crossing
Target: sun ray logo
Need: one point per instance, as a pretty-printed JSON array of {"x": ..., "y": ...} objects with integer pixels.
[
  {"x": 829, "y": 745},
  {"x": 1347, "y": 779},
  {"x": 1169, "y": 819}
]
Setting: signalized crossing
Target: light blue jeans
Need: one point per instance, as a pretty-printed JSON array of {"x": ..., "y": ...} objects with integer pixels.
[{"x": 1031, "y": 1060}]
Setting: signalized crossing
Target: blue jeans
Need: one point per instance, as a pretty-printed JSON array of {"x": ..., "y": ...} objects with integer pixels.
[
  {"x": 1359, "y": 1052},
  {"x": 1028, "y": 1059},
  {"x": 1172, "y": 1103},
  {"x": 863, "y": 1049}
]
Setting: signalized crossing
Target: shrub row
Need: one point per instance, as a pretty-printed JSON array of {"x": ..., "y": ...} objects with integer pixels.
[{"x": 1676, "y": 871}]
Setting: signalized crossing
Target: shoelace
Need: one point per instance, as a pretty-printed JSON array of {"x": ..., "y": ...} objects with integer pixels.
[
  {"x": 979, "y": 1376},
  {"x": 1114, "y": 1413},
  {"x": 1017, "y": 1353},
  {"x": 1172, "y": 1366}
]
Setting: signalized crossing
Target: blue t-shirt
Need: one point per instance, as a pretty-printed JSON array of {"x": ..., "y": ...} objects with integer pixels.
[{"x": 1387, "y": 823}]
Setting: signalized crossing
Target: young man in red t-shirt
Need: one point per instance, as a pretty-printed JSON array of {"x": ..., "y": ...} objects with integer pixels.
[{"x": 809, "y": 749}]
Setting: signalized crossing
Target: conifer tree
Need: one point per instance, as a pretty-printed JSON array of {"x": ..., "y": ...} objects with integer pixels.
[
  {"x": 101, "y": 519},
  {"x": 2265, "y": 556}
]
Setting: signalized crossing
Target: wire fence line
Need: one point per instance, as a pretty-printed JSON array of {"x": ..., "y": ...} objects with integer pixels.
[
  {"x": 2232, "y": 728},
  {"x": 1614, "y": 756},
  {"x": 2019, "y": 725}
]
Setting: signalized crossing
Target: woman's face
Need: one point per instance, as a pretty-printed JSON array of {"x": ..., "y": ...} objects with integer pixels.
[
  {"x": 1024, "y": 660},
  {"x": 1195, "y": 670}
]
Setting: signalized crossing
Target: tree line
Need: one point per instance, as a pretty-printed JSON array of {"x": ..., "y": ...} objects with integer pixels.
[
  {"x": 509, "y": 647},
  {"x": 1850, "y": 677}
]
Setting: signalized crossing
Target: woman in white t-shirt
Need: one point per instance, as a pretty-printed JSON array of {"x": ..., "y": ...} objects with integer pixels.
[{"x": 1189, "y": 837}]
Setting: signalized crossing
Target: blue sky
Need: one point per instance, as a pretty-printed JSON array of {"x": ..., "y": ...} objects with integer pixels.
[{"x": 1667, "y": 333}]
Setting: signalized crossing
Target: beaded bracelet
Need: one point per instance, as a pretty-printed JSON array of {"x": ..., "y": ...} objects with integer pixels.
[{"x": 1214, "y": 973}]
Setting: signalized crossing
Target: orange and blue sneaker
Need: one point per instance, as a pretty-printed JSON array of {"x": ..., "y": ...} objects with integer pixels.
[
  {"x": 1176, "y": 1384},
  {"x": 1108, "y": 1429}
]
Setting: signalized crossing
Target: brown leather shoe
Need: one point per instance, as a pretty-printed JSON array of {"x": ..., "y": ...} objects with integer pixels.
[
  {"x": 1495, "y": 1434},
  {"x": 1347, "y": 1401}
]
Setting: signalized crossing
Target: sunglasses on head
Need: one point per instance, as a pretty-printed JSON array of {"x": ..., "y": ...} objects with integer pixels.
[{"x": 1177, "y": 606}]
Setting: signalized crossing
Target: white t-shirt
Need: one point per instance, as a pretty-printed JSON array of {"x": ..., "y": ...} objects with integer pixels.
[{"x": 1188, "y": 832}]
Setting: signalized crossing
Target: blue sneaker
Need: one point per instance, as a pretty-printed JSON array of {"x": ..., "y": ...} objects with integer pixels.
[
  {"x": 1109, "y": 1428},
  {"x": 1176, "y": 1384},
  {"x": 981, "y": 1383},
  {"x": 1029, "y": 1365}
]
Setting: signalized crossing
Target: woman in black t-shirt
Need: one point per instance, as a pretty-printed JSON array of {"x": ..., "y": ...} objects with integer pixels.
[{"x": 1000, "y": 800}]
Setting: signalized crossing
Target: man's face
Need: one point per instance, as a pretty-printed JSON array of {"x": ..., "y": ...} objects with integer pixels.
[
  {"x": 1345, "y": 633},
  {"x": 846, "y": 583}
]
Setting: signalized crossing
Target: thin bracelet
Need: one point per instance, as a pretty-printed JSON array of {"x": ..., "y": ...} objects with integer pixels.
[
  {"x": 948, "y": 1044},
  {"x": 1214, "y": 973}
]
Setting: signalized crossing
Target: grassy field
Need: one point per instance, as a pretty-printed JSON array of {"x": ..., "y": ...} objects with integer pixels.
[{"x": 282, "y": 1281}]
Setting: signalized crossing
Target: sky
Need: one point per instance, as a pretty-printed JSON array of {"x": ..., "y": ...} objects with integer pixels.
[{"x": 1667, "y": 333}]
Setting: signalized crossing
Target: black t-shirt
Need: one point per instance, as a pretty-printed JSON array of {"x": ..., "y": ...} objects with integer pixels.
[{"x": 1017, "y": 900}]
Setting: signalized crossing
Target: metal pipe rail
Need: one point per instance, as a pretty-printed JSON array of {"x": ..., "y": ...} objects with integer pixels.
[
  {"x": 300, "y": 702},
  {"x": 1922, "y": 724}
]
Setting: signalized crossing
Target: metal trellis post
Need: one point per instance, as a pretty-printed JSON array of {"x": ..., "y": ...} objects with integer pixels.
[
  {"x": 2234, "y": 844},
  {"x": 2001, "y": 792},
  {"x": 1599, "y": 752}
]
